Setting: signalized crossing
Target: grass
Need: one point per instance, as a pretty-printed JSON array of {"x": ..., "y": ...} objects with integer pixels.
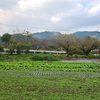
[
  {"x": 31, "y": 57},
  {"x": 22, "y": 57},
  {"x": 49, "y": 88}
]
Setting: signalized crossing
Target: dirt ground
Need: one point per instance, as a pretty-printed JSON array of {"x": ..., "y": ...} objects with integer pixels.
[{"x": 82, "y": 60}]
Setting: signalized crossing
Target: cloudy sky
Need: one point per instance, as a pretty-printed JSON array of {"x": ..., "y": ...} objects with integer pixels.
[{"x": 65, "y": 16}]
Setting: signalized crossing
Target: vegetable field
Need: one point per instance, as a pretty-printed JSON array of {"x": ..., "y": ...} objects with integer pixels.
[
  {"x": 51, "y": 66},
  {"x": 49, "y": 80}
]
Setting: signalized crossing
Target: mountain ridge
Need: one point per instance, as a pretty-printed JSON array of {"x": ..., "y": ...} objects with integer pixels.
[
  {"x": 45, "y": 34},
  {"x": 49, "y": 34},
  {"x": 87, "y": 33}
]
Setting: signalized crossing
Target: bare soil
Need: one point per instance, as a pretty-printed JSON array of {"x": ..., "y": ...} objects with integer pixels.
[{"x": 82, "y": 60}]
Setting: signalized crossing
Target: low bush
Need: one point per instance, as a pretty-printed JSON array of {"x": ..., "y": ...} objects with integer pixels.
[
  {"x": 42, "y": 57},
  {"x": 91, "y": 57}
]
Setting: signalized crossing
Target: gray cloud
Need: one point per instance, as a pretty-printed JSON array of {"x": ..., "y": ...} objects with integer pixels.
[
  {"x": 8, "y": 4},
  {"x": 56, "y": 15}
]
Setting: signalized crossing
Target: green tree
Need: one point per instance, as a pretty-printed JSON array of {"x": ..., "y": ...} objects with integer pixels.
[
  {"x": 1, "y": 48},
  {"x": 11, "y": 47},
  {"x": 26, "y": 47},
  {"x": 22, "y": 47},
  {"x": 6, "y": 38},
  {"x": 19, "y": 47}
]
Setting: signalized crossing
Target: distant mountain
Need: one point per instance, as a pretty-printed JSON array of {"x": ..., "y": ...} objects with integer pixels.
[
  {"x": 87, "y": 33},
  {"x": 49, "y": 34},
  {"x": 45, "y": 35}
]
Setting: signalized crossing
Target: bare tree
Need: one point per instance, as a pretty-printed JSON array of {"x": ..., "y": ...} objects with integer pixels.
[
  {"x": 87, "y": 44},
  {"x": 66, "y": 41}
]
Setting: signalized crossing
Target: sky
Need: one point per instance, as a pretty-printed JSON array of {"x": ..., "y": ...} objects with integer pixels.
[{"x": 65, "y": 16}]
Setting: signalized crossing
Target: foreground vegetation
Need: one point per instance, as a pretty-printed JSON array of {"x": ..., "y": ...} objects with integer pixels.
[
  {"x": 50, "y": 66},
  {"x": 49, "y": 88},
  {"x": 32, "y": 57},
  {"x": 31, "y": 77},
  {"x": 42, "y": 57}
]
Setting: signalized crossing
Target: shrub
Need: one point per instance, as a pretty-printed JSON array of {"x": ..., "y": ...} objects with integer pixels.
[{"x": 41, "y": 57}]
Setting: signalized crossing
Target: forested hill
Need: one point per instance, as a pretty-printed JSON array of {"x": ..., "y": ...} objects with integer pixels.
[
  {"x": 38, "y": 35},
  {"x": 45, "y": 34},
  {"x": 49, "y": 34},
  {"x": 87, "y": 33}
]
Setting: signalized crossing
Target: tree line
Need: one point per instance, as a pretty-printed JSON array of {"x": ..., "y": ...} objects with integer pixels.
[{"x": 67, "y": 42}]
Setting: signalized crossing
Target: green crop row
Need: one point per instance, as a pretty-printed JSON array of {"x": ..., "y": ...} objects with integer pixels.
[{"x": 50, "y": 66}]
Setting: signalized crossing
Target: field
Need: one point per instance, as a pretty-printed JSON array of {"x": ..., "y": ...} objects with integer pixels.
[
  {"x": 50, "y": 66},
  {"x": 49, "y": 80},
  {"x": 24, "y": 78},
  {"x": 49, "y": 88}
]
